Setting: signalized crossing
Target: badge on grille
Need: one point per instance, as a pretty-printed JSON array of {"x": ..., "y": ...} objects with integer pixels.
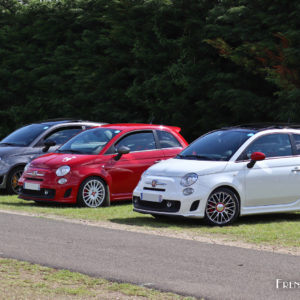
[{"x": 154, "y": 183}]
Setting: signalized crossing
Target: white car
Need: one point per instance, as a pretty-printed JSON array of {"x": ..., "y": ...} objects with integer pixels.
[{"x": 224, "y": 174}]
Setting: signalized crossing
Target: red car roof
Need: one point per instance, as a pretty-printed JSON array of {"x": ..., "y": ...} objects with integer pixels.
[{"x": 123, "y": 126}]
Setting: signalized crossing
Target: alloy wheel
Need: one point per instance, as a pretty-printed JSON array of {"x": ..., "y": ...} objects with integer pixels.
[
  {"x": 93, "y": 193},
  {"x": 221, "y": 207}
]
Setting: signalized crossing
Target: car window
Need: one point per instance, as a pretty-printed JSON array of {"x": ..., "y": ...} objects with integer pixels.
[
  {"x": 297, "y": 142},
  {"x": 139, "y": 141},
  {"x": 62, "y": 135},
  {"x": 272, "y": 145},
  {"x": 167, "y": 140}
]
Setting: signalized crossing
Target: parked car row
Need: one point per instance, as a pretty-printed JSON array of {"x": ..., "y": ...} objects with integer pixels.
[{"x": 226, "y": 173}]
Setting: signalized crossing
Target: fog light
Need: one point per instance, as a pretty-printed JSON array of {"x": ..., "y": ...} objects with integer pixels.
[
  {"x": 188, "y": 191},
  {"x": 62, "y": 180},
  {"x": 169, "y": 204}
]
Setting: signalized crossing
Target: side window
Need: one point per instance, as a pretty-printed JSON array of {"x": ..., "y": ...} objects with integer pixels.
[
  {"x": 62, "y": 135},
  {"x": 297, "y": 142},
  {"x": 167, "y": 140},
  {"x": 138, "y": 141},
  {"x": 271, "y": 145}
]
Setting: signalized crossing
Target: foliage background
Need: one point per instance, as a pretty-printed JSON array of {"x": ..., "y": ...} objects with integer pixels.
[{"x": 198, "y": 64}]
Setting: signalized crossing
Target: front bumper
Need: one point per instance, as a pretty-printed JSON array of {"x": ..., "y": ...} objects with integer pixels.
[
  {"x": 172, "y": 200},
  {"x": 49, "y": 190}
]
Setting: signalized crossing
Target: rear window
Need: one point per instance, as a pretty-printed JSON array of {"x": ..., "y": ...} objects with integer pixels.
[{"x": 167, "y": 140}]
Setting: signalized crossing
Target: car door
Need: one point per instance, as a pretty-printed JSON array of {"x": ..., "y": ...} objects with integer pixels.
[
  {"x": 169, "y": 143},
  {"x": 126, "y": 172},
  {"x": 274, "y": 180}
]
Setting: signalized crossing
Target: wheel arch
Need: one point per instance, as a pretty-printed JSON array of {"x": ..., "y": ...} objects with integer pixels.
[{"x": 16, "y": 166}]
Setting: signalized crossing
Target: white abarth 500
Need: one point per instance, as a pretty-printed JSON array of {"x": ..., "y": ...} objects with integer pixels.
[{"x": 224, "y": 174}]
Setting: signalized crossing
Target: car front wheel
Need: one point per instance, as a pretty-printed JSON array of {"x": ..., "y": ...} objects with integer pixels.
[
  {"x": 222, "y": 207},
  {"x": 92, "y": 193},
  {"x": 12, "y": 180}
]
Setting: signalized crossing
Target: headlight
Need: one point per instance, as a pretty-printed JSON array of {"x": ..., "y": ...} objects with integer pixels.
[
  {"x": 63, "y": 170},
  {"x": 189, "y": 179}
]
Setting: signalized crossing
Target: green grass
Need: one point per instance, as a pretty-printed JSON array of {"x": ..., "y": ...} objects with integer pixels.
[
  {"x": 22, "y": 280},
  {"x": 276, "y": 230}
]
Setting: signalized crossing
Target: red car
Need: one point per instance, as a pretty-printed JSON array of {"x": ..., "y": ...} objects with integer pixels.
[{"x": 99, "y": 165}]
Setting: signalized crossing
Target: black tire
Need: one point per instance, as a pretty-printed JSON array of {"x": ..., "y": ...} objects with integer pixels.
[
  {"x": 92, "y": 193},
  {"x": 222, "y": 207},
  {"x": 12, "y": 179}
]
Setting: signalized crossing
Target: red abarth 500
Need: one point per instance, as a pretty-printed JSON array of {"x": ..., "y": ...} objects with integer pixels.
[{"x": 99, "y": 165}]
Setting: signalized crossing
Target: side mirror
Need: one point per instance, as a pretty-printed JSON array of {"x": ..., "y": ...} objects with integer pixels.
[
  {"x": 48, "y": 144},
  {"x": 255, "y": 156},
  {"x": 121, "y": 150}
]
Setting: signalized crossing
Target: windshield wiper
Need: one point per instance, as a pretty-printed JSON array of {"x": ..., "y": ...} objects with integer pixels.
[
  {"x": 69, "y": 151},
  {"x": 193, "y": 156}
]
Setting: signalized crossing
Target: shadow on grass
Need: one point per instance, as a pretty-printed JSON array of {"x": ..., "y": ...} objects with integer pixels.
[{"x": 182, "y": 222}]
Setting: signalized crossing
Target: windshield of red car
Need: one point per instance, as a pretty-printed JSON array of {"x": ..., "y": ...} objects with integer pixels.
[{"x": 91, "y": 141}]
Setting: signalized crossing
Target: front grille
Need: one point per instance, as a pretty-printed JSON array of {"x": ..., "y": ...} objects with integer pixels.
[
  {"x": 37, "y": 194},
  {"x": 157, "y": 206},
  {"x": 154, "y": 189},
  {"x": 34, "y": 179}
]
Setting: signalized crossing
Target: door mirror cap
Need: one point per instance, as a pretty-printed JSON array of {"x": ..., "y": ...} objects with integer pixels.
[
  {"x": 255, "y": 156},
  {"x": 48, "y": 144},
  {"x": 121, "y": 150}
]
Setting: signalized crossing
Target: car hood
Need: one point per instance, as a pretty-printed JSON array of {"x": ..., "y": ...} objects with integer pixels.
[
  {"x": 179, "y": 167},
  {"x": 56, "y": 160}
]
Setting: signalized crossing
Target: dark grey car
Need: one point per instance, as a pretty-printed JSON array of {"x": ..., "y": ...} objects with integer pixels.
[{"x": 26, "y": 143}]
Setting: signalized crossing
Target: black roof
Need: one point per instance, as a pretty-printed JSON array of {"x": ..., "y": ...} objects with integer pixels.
[{"x": 265, "y": 126}]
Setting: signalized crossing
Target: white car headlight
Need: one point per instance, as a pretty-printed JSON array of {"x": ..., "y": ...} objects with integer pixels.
[
  {"x": 63, "y": 170},
  {"x": 189, "y": 179}
]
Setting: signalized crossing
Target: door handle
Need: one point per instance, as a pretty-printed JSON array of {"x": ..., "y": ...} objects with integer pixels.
[{"x": 295, "y": 170}]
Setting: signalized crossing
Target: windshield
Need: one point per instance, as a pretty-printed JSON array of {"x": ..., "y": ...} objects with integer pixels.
[
  {"x": 91, "y": 141},
  {"x": 24, "y": 136},
  {"x": 217, "y": 145}
]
